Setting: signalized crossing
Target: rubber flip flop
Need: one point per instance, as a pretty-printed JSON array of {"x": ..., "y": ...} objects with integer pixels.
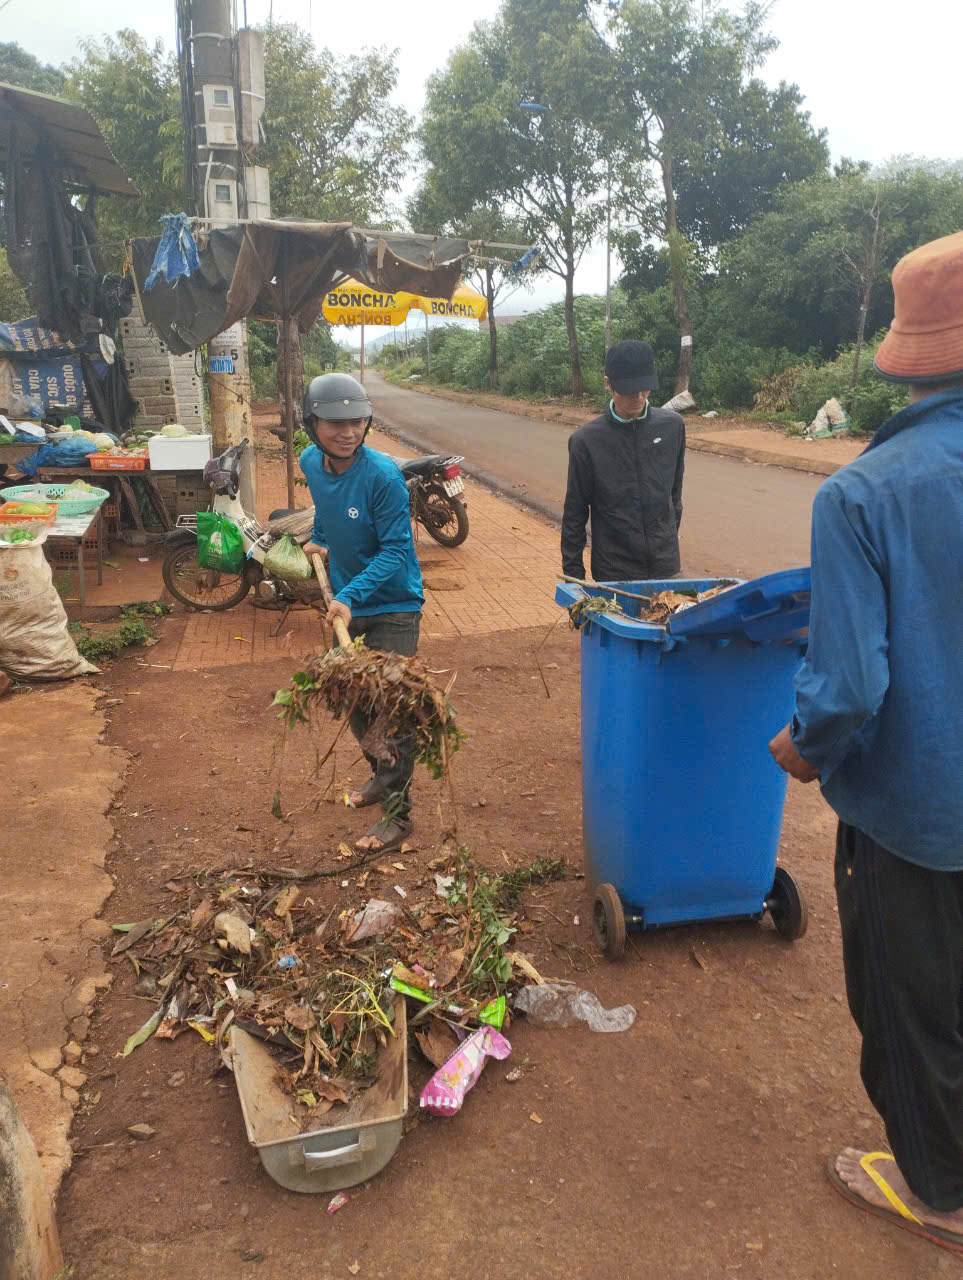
[
  {"x": 902, "y": 1217},
  {"x": 393, "y": 832},
  {"x": 372, "y": 792}
]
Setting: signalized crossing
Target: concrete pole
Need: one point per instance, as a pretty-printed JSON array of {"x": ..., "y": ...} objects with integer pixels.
[
  {"x": 608, "y": 254},
  {"x": 29, "y": 1246},
  {"x": 219, "y": 171},
  {"x": 362, "y": 353}
]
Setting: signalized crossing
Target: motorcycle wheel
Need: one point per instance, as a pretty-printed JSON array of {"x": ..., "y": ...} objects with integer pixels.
[
  {"x": 200, "y": 589},
  {"x": 445, "y": 518}
]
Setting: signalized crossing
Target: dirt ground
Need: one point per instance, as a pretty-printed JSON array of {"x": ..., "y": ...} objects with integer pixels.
[{"x": 690, "y": 1146}]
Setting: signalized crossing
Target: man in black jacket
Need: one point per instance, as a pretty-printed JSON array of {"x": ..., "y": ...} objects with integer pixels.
[{"x": 625, "y": 468}]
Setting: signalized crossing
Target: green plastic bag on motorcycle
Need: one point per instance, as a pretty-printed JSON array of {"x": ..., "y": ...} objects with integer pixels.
[
  {"x": 219, "y": 543},
  {"x": 287, "y": 560}
]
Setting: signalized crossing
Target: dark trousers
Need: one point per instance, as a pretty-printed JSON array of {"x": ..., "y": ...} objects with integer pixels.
[
  {"x": 391, "y": 633},
  {"x": 902, "y": 929}
]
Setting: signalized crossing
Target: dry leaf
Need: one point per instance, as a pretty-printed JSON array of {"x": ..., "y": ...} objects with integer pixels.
[
  {"x": 330, "y": 1092},
  {"x": 446, "y": 970},
  {"x": 398, "y": 866},
  {"x": 344, "y": 851},
  {"x": 237, "y": 933},
  {"x": 201, "y": 915},
  {"x": 286, "y": 900},
  {"x": 354, "y": 1268},
  {"x": 437, "y": 1042},
  {"x": 535, "y": 1118},
  {"x": 133, "y": 935},
  {"x": 404, "y": 974},
  {"x": 299, "y": 1017}
]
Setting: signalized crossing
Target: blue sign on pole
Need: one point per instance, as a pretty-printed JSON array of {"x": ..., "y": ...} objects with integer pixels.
[{"x": 221, "y": 364}]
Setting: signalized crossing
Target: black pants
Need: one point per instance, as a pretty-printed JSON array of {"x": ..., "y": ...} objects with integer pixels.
[
  {"x": 902, "y": 931},
  {"x": 391, "y": 633}
]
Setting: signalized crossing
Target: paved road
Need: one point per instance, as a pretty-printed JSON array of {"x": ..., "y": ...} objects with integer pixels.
[{"x": 740, "y": 518}]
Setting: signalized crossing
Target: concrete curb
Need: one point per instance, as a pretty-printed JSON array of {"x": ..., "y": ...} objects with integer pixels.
[
  {"x": 29, "y": 1247},
  {"x": 792, "y": 462}
]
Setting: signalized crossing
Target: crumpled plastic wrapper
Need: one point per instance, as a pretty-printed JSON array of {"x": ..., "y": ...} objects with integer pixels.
[{"x": 557, "y": 1004}]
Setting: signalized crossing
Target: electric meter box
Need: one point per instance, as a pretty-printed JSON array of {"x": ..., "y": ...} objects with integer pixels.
[{"x": 220, "y": 123}]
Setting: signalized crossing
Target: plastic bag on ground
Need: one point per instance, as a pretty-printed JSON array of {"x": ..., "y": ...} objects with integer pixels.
[
  {"x": 220, "y": 545},
  {"x": 557, "y": 1004},
  {"x": 287, "y": 560},
  {"x": 445, "y": 1092},
  {"x": 34, "y": 640},
  {"x": 681, "y": 403}
]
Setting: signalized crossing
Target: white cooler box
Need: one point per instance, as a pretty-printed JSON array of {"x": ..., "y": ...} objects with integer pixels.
[{"x": 188, "y": 453}]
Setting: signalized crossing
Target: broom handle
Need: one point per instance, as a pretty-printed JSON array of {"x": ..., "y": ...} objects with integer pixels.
[{"x": 340, "y": 630}]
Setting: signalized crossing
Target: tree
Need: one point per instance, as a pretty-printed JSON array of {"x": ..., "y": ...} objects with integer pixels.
[
  {"x": 799, "y": 275},
  {"x": 728, "y": 176},
  {"x": 20, "y": 68},
  {"x": 336, "y": 148},
  {"x": 546, "y": 169},
  {"x": 131, "y": 90},
  {"x": 436, "y": 207},
  {"x": 683, "y": 66}
]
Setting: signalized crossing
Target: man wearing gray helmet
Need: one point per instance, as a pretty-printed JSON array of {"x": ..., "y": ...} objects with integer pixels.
[{"x": 361, "y": 516}]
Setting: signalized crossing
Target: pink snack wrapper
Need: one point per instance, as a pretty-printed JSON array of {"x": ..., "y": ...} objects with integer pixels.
[{"x": 445, "y": 1091}]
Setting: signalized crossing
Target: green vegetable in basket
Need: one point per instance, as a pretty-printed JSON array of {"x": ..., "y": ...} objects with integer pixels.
[
  {"x": 30, "y": 509},
  {"x": 19, "y": 535}
]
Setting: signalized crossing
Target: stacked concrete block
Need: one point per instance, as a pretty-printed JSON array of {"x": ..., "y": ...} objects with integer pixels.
[{"x": 166, "y": 387}]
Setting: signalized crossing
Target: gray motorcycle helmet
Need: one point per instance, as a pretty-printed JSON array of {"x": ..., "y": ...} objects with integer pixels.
[{"x": 335, "y": 396}]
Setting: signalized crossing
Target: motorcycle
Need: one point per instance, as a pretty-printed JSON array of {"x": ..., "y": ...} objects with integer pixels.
[
  {"x": 210, "y": 590},
  {"x": 434, "y": 484}
]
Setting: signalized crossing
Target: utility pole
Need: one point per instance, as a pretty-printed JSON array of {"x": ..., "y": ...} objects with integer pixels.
[
  {"x": 608, "y": 254},
  {"x": 222, "y": 90}
]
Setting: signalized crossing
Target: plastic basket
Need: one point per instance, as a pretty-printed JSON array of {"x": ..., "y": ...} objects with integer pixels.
[
  {"x": 9, "y": 515},
  {"x": 55, "y": 493},
  {"x": 116, "y": 462}
]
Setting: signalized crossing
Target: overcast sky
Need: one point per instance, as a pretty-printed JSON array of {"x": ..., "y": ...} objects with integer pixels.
[{"x": 881, "y": 75}]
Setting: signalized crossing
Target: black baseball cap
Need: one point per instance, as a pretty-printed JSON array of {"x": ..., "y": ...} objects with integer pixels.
[{"x": 630, "y": 366}]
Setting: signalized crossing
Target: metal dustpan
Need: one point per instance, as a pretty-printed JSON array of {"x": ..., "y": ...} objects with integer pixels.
[{"x": 359, "y": 1141}]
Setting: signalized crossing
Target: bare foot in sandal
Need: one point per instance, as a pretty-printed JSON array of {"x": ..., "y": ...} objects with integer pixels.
[
  {"x": 851, "y": 1170},
  {"x": 386, "y": 835}
]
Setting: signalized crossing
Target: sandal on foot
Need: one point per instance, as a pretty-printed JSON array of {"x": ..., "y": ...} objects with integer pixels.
[
  {"x": 392, "y": 832},
  {"x": 372, "y": 792},
  {"x": 899, "y": 1215}
]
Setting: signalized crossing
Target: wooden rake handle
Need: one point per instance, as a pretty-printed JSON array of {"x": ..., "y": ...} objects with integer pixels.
[{"x": 340, "y": 630}]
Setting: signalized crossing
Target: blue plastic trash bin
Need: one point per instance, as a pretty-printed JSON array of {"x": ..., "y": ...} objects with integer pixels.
[{"x": 681, "y": 801}]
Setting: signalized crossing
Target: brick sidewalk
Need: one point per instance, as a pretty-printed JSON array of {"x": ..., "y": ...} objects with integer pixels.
[{"x": 500, "y": 579}]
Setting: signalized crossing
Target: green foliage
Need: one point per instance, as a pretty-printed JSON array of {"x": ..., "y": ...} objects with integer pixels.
[
  {"x": 97, "y": 645},
  {"x": 13, "y": 300},
  {"x": 871, "y": 402},
  {"x": 791, "y": 278},
  {"x": 22, "y": 69},
  {"x": 547, "y": 169},
  {"x": 131, "y": 89},
  {"x": 336, "y": 147}
]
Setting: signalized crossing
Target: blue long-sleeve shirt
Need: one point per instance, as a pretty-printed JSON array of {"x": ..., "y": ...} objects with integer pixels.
[
  {"x": 879, "y": 697},
  {"x": 362, "y": 517}
]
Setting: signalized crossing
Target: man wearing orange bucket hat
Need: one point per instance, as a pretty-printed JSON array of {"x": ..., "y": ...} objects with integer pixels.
[{"x": 879, "y": 721}]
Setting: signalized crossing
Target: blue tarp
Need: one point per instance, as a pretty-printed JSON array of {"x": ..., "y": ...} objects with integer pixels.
[{"x": 176, "y": 254}]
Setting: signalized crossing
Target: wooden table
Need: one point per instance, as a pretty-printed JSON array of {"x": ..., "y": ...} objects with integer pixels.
[
  {"x": 72, "y": 530},
  {"x": 63, "y": 475}
]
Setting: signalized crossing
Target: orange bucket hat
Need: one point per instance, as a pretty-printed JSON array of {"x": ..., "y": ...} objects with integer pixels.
[{"x": 925, "y": 341}]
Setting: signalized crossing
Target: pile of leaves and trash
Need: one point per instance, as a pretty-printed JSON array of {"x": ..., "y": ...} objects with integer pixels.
[
  {"x": 657, "y": 608},
  {"x": 397, "y": 692},
  {"x": 252, "y": 948}
]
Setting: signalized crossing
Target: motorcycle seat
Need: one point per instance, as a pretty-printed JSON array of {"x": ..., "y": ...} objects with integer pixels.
[{"x": 423, "y": 466}]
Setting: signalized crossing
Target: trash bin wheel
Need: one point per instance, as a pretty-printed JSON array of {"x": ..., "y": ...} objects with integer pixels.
[
  {"x": 608, "y": 921},
  {"x": 787, "y": 906}
]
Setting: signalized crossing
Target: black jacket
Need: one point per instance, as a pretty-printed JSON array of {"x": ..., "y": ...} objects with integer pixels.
[{"x": 629, "y": 476}]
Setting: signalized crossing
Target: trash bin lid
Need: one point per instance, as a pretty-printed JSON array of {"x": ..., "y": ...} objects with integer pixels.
[{"x": 773, "y": 607}]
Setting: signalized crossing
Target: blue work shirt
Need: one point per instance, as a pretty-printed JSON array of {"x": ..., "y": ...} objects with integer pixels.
[
  {"x": 879, "y": 697},
  {"x": 362, "y": 517}
]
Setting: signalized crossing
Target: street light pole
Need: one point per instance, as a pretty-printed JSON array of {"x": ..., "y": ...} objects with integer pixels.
[{"x": 608, "y": 253}]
